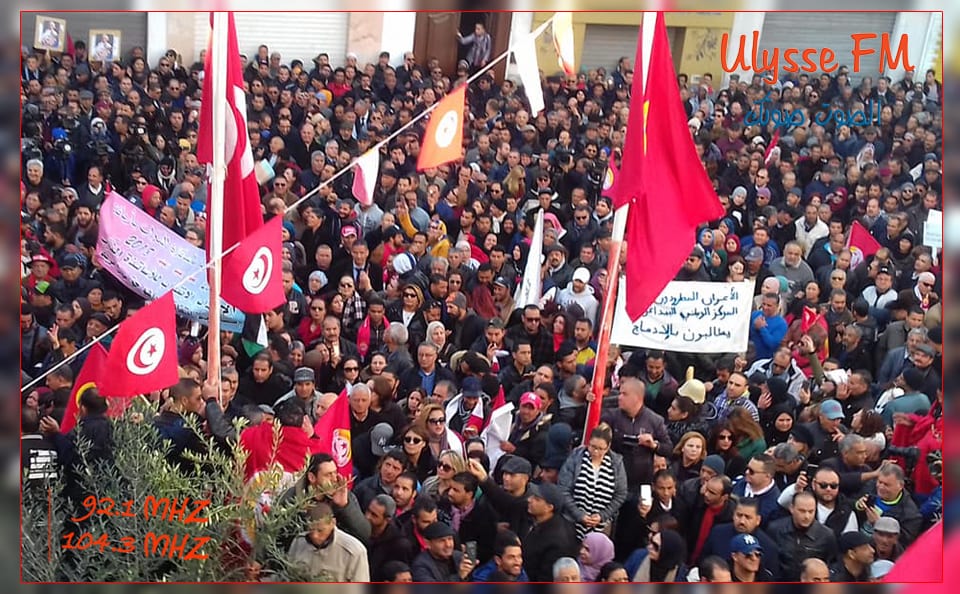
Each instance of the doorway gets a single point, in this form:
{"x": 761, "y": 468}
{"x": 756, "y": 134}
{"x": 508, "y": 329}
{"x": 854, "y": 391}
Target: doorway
{"x": 435, "y": 36}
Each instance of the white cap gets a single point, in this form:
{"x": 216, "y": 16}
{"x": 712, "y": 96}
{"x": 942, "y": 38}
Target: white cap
{"x": 581, "y": 274}
{"x": 695, "y": 122}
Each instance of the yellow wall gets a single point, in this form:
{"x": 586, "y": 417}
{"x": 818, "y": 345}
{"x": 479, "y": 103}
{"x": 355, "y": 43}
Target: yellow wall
{"x": 701, "y": 44}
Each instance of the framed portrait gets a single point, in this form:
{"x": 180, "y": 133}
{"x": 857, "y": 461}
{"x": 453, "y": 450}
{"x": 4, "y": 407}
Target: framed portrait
{"x": 51, "y": 34}
{"x": 104, "y": 45}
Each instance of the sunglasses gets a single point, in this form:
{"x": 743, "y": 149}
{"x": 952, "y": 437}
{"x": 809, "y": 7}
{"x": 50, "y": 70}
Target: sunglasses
{"x": 316, "y": 309}
{"x": 531, "y": 320}
{"x": 724, "y": 437}
{"x": 828, "y": 485}
{"x": 437, "y": 421}
{"x": 411, "y": 295}
{"x": 351, "y": 369}
{"x": 756, "y": 554}
{"x": 412, "y": 440}
{"x": 445, "y": 467}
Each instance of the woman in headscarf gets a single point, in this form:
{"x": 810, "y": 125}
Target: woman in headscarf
{"x": 596, "y": 550}
{"x": 781, "y": 420}
{"x": 717, "y": 264}
{"x": 437, "y": 336}
{"x": 732, "y": 246}
{"x": 660, "y": 561}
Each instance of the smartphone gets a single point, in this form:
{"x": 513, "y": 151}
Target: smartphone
{"x": 646, "y": 495}
{"x": 871, "y": 500}
{"x": 811, "y": 470}
{"x": 471, "y": 551}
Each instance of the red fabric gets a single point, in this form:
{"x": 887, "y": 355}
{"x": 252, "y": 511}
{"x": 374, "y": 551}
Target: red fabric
{"x": 363, "y": 338}
{"x": 861, "y": 241}
{"x": 148, "y": 191}
{"x": 443, "y": 140}
{"x": 705, "y": 526}
{"x": 919, "y": 434}
{"x": 143, "y": 356}
{"x": 87, "y": 378}
{"x": 292, "y": 450}
{"x": 307, "y": 335}
{"x": 241, "y": 195}
{"x": 333, "y": 432}
{"x": 252, "y": 273}
{"x": 669, "y": 192}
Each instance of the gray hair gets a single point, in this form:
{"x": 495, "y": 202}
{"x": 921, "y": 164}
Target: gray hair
{"x": 850, "y": 441}
{"x": 387, "y": 503}
{"x": 921, "y": 332}
{"x": 397, "y": 332}
{"x": 443, "y": 261}
{"x": 891, "y": 469}
{"x": 317, "y": 155}
{"x": 565, "y": 563}
{"x": 786, "y": 453}
{"x": 358, "y": 388}
{"x": 36, "y": 162}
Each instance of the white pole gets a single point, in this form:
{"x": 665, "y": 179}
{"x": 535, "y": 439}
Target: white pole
{"x": 218, "y": 175}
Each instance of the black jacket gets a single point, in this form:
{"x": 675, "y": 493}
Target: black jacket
{"x": 795, "y": 546}
{"x": 427, "y": 569}
{"x": 480, "y": 525}
{"x": 512, "y": 510}
{"x": 531, "y": 443}
{"x": 392, "y": 545}
{"x": 544, "y": 544}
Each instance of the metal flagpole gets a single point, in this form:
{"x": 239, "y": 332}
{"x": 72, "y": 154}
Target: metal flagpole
{"x": 613, "y": 264}
{"x": 219, "y": 171}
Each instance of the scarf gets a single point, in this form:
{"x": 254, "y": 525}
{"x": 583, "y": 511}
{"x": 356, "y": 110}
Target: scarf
{"x": 457, "y": 515}
{"x": 601, "y": 553}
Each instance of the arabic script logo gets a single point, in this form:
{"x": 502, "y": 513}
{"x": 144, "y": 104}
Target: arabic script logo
{"x": 764, "y": 112}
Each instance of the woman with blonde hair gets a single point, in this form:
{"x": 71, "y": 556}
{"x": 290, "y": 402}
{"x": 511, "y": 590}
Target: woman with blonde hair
{"x": 594, "y": 482}
{"x": 688, "y": 456}
{"x": 515, "y": 183}
{"x": 440, "y": 437}
{"x": 449, "y": 463}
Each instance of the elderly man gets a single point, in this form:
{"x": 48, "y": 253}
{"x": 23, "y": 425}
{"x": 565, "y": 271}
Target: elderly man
{"x": 792, "y": 266}
{"x": 891, "y": 500}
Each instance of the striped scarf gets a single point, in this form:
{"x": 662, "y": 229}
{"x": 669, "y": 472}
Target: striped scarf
{"x": 593, "y": 489}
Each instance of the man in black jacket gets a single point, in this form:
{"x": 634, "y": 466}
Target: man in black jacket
{"x": 510, "y": 500}
{"x": 440, "y": 562}
{"x": 801, "y": 536}
{"x": 386, "y": 541}
{"x": 551, "y": 537}
{"x": 472, "y": 520}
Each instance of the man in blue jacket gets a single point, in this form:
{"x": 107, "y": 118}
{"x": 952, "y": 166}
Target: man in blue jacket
{"x": 767, "y": 327}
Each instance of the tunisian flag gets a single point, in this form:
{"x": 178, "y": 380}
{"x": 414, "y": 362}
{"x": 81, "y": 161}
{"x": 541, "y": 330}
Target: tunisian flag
{"x": 88, "y": 377}
{"x": 333, "y": 431}
{"x": 253, "y": 273}
{"x": 241, "y": 207}
{"x": 861, "y": 244}
{"x": 443, "y": 140}
{"x": 143, "y": 356}
{"x": 667, "y": 188}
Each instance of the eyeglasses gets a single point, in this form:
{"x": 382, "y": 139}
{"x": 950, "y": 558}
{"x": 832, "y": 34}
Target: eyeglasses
{"x": 828, "y": 485}
{"x": 754, "y": 471}
{"x": 753, "y": 554}
{"x": 445, "y": 467}
{"x": 352, "y": 368}
{"x": 496, "y": 191}
{"x": 437, "y": 421}
{"x": 316, "y": 309}
{"x": 724, "y": 437}
{"x": 531, "y": 320}
{"x": 837, "y": 278}
{"x": 412, "y": 440}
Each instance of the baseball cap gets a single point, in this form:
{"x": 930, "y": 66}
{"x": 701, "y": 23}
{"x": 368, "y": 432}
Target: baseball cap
{"x": 503, "y": 282}
{"x": 913, "y": 378}
{"x": 517, "y": 465}
{"x": 754, "y": 255}
{"x": 41, "y": 258}
{"x": 879, "y": 569}
{"x": 745, "y": 544}
{"x": 694, "y": 390}
{"x": 304, "y": 374}
{"x": 71, "y": 261}
{"x": 531, "y": 399}
{"x": 887, "y": 525}
{"x": 267, "y": 409}
{"x": 348, "y": 230}
{"x": 581, "y": 274}
{"x": 471, "y": 388}
{"x": 851, "y": 540}
{"x": 885, "y": 270}
{"x": 495, "y": 323}
{"x": 380, "y": 436}
{"x": 831, "y": 409}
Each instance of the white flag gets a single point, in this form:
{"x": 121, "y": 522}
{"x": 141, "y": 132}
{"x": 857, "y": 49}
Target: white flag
{"x": 529, "y": 68}
{"x": 365, "y": 176}
{"x": 528, "y": 291}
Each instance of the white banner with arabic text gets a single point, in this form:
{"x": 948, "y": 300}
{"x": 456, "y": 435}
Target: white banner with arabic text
{"x": 690, "y": 317}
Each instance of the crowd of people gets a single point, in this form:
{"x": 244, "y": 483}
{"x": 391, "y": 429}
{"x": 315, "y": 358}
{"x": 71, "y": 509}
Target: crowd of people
{"x": 813, "y": 456}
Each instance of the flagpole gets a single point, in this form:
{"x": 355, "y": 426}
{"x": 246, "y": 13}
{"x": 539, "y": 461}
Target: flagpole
{"x": 613, "y": 265}
{"x": 218, "y": 177}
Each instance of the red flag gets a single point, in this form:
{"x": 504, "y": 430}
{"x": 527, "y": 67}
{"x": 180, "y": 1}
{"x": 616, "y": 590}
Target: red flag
{"x": 241, "y": 209}
{"x": 768, "y": 155}
{"x": 365, "y": 175}
{"x": 333, "y": 430}
{"x": 253, "y": 279}
{"x": 861, "y": 244}
{"x": 87, "y": 378}
{"x": 610, "y": 187}
{"x": 671, "y": 194}
{"x": 443, "y": 140}
{"x": 923, "y": 561}
{"x": 143, "y": 356}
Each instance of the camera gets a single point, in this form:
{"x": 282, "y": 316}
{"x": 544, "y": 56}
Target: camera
{"x": 139, "y": 130}
{"x": 910, "y": 455}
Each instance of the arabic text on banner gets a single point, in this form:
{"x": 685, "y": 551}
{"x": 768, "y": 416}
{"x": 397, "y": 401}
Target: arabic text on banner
{"x": 933, "y": 229}
{"x": 690, "y": 317}
{"x": 149, "y": 259}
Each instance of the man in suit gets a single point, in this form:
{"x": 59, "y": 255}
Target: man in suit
{"x": 367, "y": 275}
